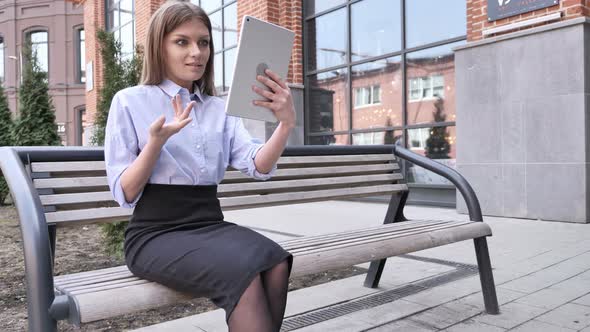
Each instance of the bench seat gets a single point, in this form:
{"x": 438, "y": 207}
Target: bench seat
{"x": 104, "y": 293}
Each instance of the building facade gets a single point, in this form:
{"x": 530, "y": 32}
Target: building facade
{"x": 495, "y": 88}
{"x": 56, "y": 31}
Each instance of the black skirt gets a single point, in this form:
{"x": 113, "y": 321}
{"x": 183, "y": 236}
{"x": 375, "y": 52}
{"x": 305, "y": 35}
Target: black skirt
{"x": 177, "y": 237}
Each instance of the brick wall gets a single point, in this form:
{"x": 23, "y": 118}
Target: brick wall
{"x": 143, "y": 12}
{"x": 290, "y": 16}
{"x": 94, "y": 18}
{"x": 477, "y": 16}
{"x": 286, "y": 13}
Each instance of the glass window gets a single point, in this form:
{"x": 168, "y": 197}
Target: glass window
{"x": 431, "y": 85}
{"x": 436, "y": 143}
{"x": 376, "y": 28}
{"x": 428, "y": 87}
{"x": 230, "y": 25}
{"x": 127, "y": 37}
{"x": 216, "y": 30}
{"x": 367, "y": 96}
{"x": 218, "y": 71}
{"x": 377, "y": 94}
{"x": 327, "y": 45}
{"x": 208, "y": 5}
{"x": 39, "y": 44}
{"x": 126, "y": 11}
{"x": 224, "y": 28}
{"x": 318, "y": 6}
{"x": 329, "y": 110}
{"x": 81, "y": 56}
{"x": 229, "y": 61}
{"x": 1, "y": 59}
{"x": 429, "y": 21}
{"x": 121, "y": 21}
{"x": 83, "y": 128}
{"x": 329, "y": 140}
{"x": 351, "y": 95}
{"x": 376, "y": 137}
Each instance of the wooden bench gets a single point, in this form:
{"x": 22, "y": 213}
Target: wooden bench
{"x": 55, "y": 187}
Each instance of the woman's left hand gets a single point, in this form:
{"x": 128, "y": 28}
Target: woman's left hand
{"x": 280, "y": 100}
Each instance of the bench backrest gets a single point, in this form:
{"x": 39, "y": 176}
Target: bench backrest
{"x": 77, "y": 191}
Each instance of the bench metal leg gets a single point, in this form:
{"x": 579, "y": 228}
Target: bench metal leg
{"x": 374, "y": 274}
{"x": 395, "y": 213}
{"x": 52, "y": 229}
{"x": 485, "y": 275}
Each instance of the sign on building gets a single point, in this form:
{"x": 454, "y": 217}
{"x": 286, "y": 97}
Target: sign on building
{"x": 498, "y": 9}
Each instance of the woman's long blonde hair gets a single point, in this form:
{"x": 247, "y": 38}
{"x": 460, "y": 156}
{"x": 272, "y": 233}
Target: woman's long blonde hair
{"x": 167, "y": 18}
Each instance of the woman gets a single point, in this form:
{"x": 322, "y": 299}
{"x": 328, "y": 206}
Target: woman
{"x": 168, "y": 142}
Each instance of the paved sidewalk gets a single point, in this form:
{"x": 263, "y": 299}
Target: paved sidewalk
{"x": 541, "y": 269}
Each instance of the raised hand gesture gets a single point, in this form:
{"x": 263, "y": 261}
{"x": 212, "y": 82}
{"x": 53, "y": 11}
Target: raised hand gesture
{"x": 161, "y": 132}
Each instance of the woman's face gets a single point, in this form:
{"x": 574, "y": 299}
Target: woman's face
{"x": 186, "y": 52}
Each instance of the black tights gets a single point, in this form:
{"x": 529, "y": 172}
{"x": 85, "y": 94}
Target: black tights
{"x": 262, "y": 305}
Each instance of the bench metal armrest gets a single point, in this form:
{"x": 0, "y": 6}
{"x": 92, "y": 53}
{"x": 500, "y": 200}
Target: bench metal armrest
{"x": 35, "y": 235}
{"x": 452, "y": 175}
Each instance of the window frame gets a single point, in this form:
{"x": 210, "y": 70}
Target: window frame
{"x": 422, "y": 89}
{"x": 403, "y": 54}
{"x": 78, "y": 110}
{"x": 221, "y": 50}
{"x": 371, "y": 96}
{"x": 78, "y": 54}
{"x": 2, "y": 59}
{"x": 27, "y": 38}
{"x": 405, "y": 67}
{"x": 116, "y": 30}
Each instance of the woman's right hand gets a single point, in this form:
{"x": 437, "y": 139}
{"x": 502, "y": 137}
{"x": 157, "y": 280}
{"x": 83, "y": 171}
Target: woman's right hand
{"x": 161, "y": 132}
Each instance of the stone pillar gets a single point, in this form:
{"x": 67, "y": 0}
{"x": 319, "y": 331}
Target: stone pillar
{"x": 523, "y": 121}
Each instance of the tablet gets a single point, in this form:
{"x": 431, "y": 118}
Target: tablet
{"x": 262, "y": 45}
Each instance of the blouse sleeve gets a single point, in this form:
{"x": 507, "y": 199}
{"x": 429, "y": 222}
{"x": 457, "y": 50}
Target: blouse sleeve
{"x": 120, "y": 149}
{"x": 244, "y": 150}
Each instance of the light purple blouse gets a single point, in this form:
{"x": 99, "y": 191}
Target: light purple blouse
{"x": 197, "y": 155}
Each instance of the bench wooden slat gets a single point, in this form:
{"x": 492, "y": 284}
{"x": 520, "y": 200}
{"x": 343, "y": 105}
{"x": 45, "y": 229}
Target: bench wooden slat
{"x": 108, "y": 301}
{"x": 289, "y": 173}
{"x": 119, "y": 301}
{"x": 123, "y": 273}
{"x": 107, "y": 214}
{"x": 230, "y": 203}
{"x": 312, "y": 262}
{"x": 96, "y": 284}
{"x": 59, "y": 199}
{"x": 68, "y": 166}
{"x": 110, "y": 214}
{"x": 330, "y": 237}
{"x": 294, "y": 185}
{"x": 373, "y": 234}
{"x": 379, "y": 237}
{"x": 281, "y": 174}
{"x": 77, "y": 182}
{"x": 306, "y": 160}
{"x": 78, "y": 275}
{"x": 99, "y": 289}
{"x": 228, "y": 189}
{"x": 100, "y": 165}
